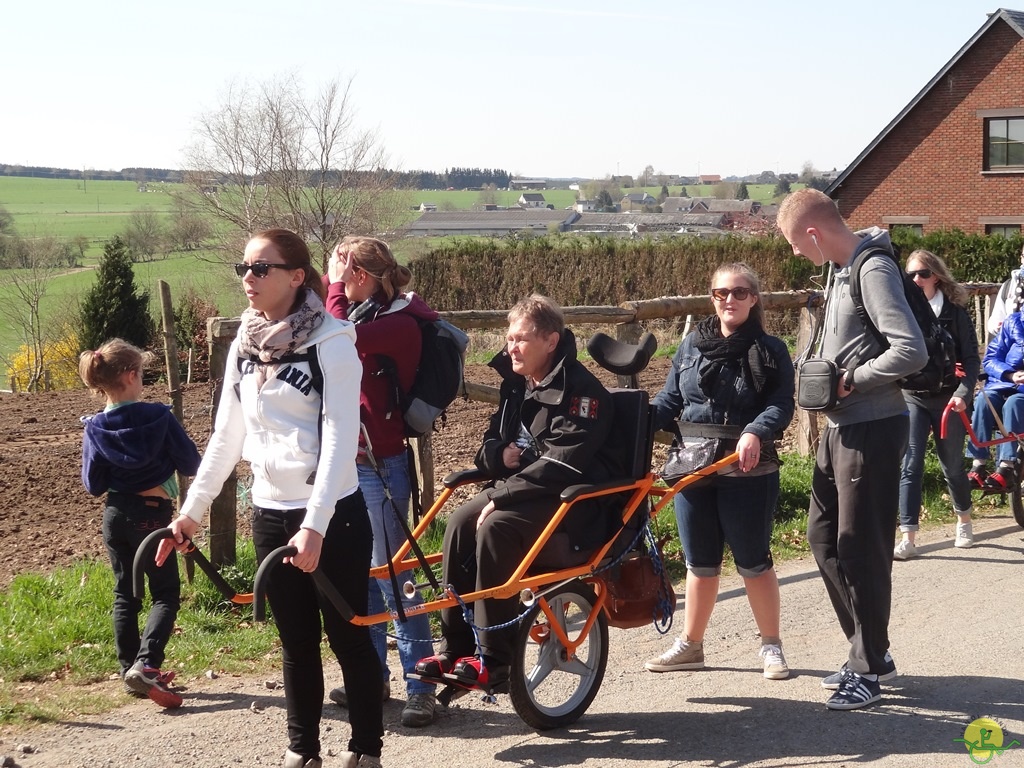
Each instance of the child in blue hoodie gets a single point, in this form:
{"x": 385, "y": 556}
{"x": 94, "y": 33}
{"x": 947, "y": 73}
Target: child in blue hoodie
{"x": 130, "y": 451}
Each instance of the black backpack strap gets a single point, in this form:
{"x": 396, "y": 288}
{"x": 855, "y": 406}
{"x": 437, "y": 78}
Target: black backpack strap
{"x": 857, "y": 296}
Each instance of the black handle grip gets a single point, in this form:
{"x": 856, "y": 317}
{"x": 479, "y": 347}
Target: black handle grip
{"x": 145, "y": 550}
{"x": 274, "y": 559}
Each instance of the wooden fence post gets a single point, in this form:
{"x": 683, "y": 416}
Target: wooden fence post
{"x": 220, "y": 332}
{"x": 173, "y": 388}
{"x": 423, "y": 450}
{"x": 628, "y": 333}
{"x": 806, "y": 421}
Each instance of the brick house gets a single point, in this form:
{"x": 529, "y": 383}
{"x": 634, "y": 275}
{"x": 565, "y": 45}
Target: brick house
{"x": 954, "y": 156}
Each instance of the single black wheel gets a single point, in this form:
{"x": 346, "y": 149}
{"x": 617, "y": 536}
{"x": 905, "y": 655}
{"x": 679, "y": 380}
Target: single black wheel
{"x": 1016, "y": 502}
{"x": 551, "y": 687}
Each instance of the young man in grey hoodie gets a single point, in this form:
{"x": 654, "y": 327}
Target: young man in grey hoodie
{"x": 855, "y": 488}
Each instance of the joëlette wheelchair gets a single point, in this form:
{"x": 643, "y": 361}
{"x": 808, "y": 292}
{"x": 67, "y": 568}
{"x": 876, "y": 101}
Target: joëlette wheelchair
{"x": 561, "y": 647}
{"x": 1015, "y": 489}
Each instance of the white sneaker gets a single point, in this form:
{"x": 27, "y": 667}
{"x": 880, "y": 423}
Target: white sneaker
{"x": 905, "y": 550}
{"x": 775, "y": 667}
{"x": 681, "y": 656}
{"x": 964, "y": 535}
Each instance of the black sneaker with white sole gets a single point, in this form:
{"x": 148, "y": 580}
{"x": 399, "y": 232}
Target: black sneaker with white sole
{"x": 855, "y": 691}
{"x": 831, "y": 683}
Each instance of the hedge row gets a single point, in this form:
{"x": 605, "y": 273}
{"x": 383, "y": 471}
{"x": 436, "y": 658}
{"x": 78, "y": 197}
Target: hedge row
{"x": 486, "y": 273}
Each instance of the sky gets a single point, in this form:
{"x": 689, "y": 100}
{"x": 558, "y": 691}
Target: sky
{"x": 556, "y": 88}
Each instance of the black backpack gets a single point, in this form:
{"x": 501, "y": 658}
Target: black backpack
{"x": 439, "y": 377}
{"x": 939, "y": 373}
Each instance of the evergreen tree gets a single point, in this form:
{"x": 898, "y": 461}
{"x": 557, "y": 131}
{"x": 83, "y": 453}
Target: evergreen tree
{"x": 742, "y": 193}
{"x": 114, "y": 306}
{"x": 782, "y": 188}
{"x": 664, "y": 193}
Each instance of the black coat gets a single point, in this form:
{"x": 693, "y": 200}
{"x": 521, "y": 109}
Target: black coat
{"x": 565, "y": 423}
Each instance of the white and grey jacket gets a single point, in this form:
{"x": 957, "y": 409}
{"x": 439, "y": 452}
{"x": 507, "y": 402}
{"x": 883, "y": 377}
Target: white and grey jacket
{"x": 277, "y": 430}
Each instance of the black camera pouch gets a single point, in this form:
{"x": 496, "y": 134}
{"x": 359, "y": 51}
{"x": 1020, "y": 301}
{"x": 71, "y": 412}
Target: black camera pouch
{"x": 817, "y": 384}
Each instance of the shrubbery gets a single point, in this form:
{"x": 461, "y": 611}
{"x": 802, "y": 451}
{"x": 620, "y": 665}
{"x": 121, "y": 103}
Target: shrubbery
{"x": 59, "y": 363}
{"x": 485, "y": 273}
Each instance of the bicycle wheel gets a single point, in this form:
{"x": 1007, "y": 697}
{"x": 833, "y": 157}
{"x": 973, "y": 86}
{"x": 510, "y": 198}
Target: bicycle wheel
{"x": 1016, "y": 503}
{"x": 550, "y": 688}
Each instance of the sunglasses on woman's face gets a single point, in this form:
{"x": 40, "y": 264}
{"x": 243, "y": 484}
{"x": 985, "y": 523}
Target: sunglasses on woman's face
{"x": 739, "y": 293}
{"x": 924, "y": 274}
{"x": 259, "y": 268}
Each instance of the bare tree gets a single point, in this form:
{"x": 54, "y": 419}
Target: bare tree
{"x": 269, "y": 156}
{"x": 25, "y": 289}
{"x": 144, "y": 234}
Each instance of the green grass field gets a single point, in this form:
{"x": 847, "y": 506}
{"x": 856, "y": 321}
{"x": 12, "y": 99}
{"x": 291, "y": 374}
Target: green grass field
{"x": 201, "y": 273}
{"x": 68, "y": 208}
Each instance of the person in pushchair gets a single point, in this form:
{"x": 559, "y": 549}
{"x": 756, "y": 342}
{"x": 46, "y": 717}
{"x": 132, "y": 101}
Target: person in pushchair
{"x": 551, "y": 430}
{"x": 1000, "y": 405}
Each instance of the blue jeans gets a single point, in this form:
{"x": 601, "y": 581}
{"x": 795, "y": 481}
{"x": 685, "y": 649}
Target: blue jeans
{"x": 127, "y": 520}
{"x": 413, "y": 634}
{"x": 737, "y": 511}
{"x": 925, "y": 418}
{"x": 1010, "y": 406}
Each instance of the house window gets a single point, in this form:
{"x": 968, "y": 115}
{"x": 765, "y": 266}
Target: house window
{"x": 1004, "y": 143}
{"x": 1003, "y": 230}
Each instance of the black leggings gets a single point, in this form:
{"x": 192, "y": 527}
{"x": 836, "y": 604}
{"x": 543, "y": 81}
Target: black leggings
{"x": 298, "y": 606}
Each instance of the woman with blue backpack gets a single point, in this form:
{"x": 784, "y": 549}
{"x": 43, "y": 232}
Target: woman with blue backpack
{"x": 364, "y": 286}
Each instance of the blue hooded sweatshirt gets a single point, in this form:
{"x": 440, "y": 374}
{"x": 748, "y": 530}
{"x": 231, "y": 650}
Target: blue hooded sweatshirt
{"x": 133, "y": 448}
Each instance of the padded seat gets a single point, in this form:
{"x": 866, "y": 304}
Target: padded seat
{"x": 632, "y": 430}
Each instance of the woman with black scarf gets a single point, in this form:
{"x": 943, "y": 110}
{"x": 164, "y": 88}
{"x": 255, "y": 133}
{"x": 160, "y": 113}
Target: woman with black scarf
{"x": 730, "y": 373}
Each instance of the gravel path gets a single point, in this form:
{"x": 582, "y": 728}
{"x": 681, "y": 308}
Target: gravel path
{"x": 956, "y": 638}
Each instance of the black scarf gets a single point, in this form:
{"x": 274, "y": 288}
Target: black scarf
{"x": 743, "y": 345}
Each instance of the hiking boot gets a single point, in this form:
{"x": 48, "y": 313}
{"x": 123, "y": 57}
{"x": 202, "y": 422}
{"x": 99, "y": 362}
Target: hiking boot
{"x": 964, "y": 535}
{"x": 833, "y": 681}
{"x": 340, "y": 697}
{"x": 775, "y": 667}
{"x": 151, "y": 682}
{"x": 905, "y": 550}
{"x": 1002, "y": 479}
{"x": 295, "y": 760}
{"x": 855, "y": 691}
{"x": 432, "y": 669}
{"x": 352, "y": 760}
{"x": 682, "y": 655}
{"x": 419, "y": 710}
{"x": 474, "y": 672}
{"x": 978, "y": 475}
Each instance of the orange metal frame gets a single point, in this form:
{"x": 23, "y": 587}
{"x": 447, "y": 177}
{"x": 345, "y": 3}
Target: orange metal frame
{"x": 521, "y": 579}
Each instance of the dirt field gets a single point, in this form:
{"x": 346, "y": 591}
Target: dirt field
{"x": 51, "y": 520}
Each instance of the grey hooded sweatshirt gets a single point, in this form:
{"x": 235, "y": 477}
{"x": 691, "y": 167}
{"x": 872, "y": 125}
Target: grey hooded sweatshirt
{"x": 876, "y": 394}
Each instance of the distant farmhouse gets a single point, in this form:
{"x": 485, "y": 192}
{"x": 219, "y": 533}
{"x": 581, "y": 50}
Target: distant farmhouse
{"x": 637, "y": 200}
{"x": 954, "y": 156}
{"x": 490, "y": 223}
{"x": 532, "y": 200}
{"x": 527, "y": 184}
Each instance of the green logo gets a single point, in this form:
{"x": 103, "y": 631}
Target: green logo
{"x": 984, "y": 740}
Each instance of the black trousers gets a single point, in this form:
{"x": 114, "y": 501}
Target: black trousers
{"x": 127, "y": 520}
{"x": 851, "y": 526}
{"x": 478, "y": 559}
{"x": 298, "y": 607}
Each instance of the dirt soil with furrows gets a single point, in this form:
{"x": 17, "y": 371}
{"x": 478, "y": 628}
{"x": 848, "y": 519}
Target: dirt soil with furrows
{"x": 50, "y": 520}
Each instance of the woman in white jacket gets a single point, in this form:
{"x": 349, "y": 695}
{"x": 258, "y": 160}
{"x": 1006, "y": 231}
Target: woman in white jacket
{"x": 302, "y": 449}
